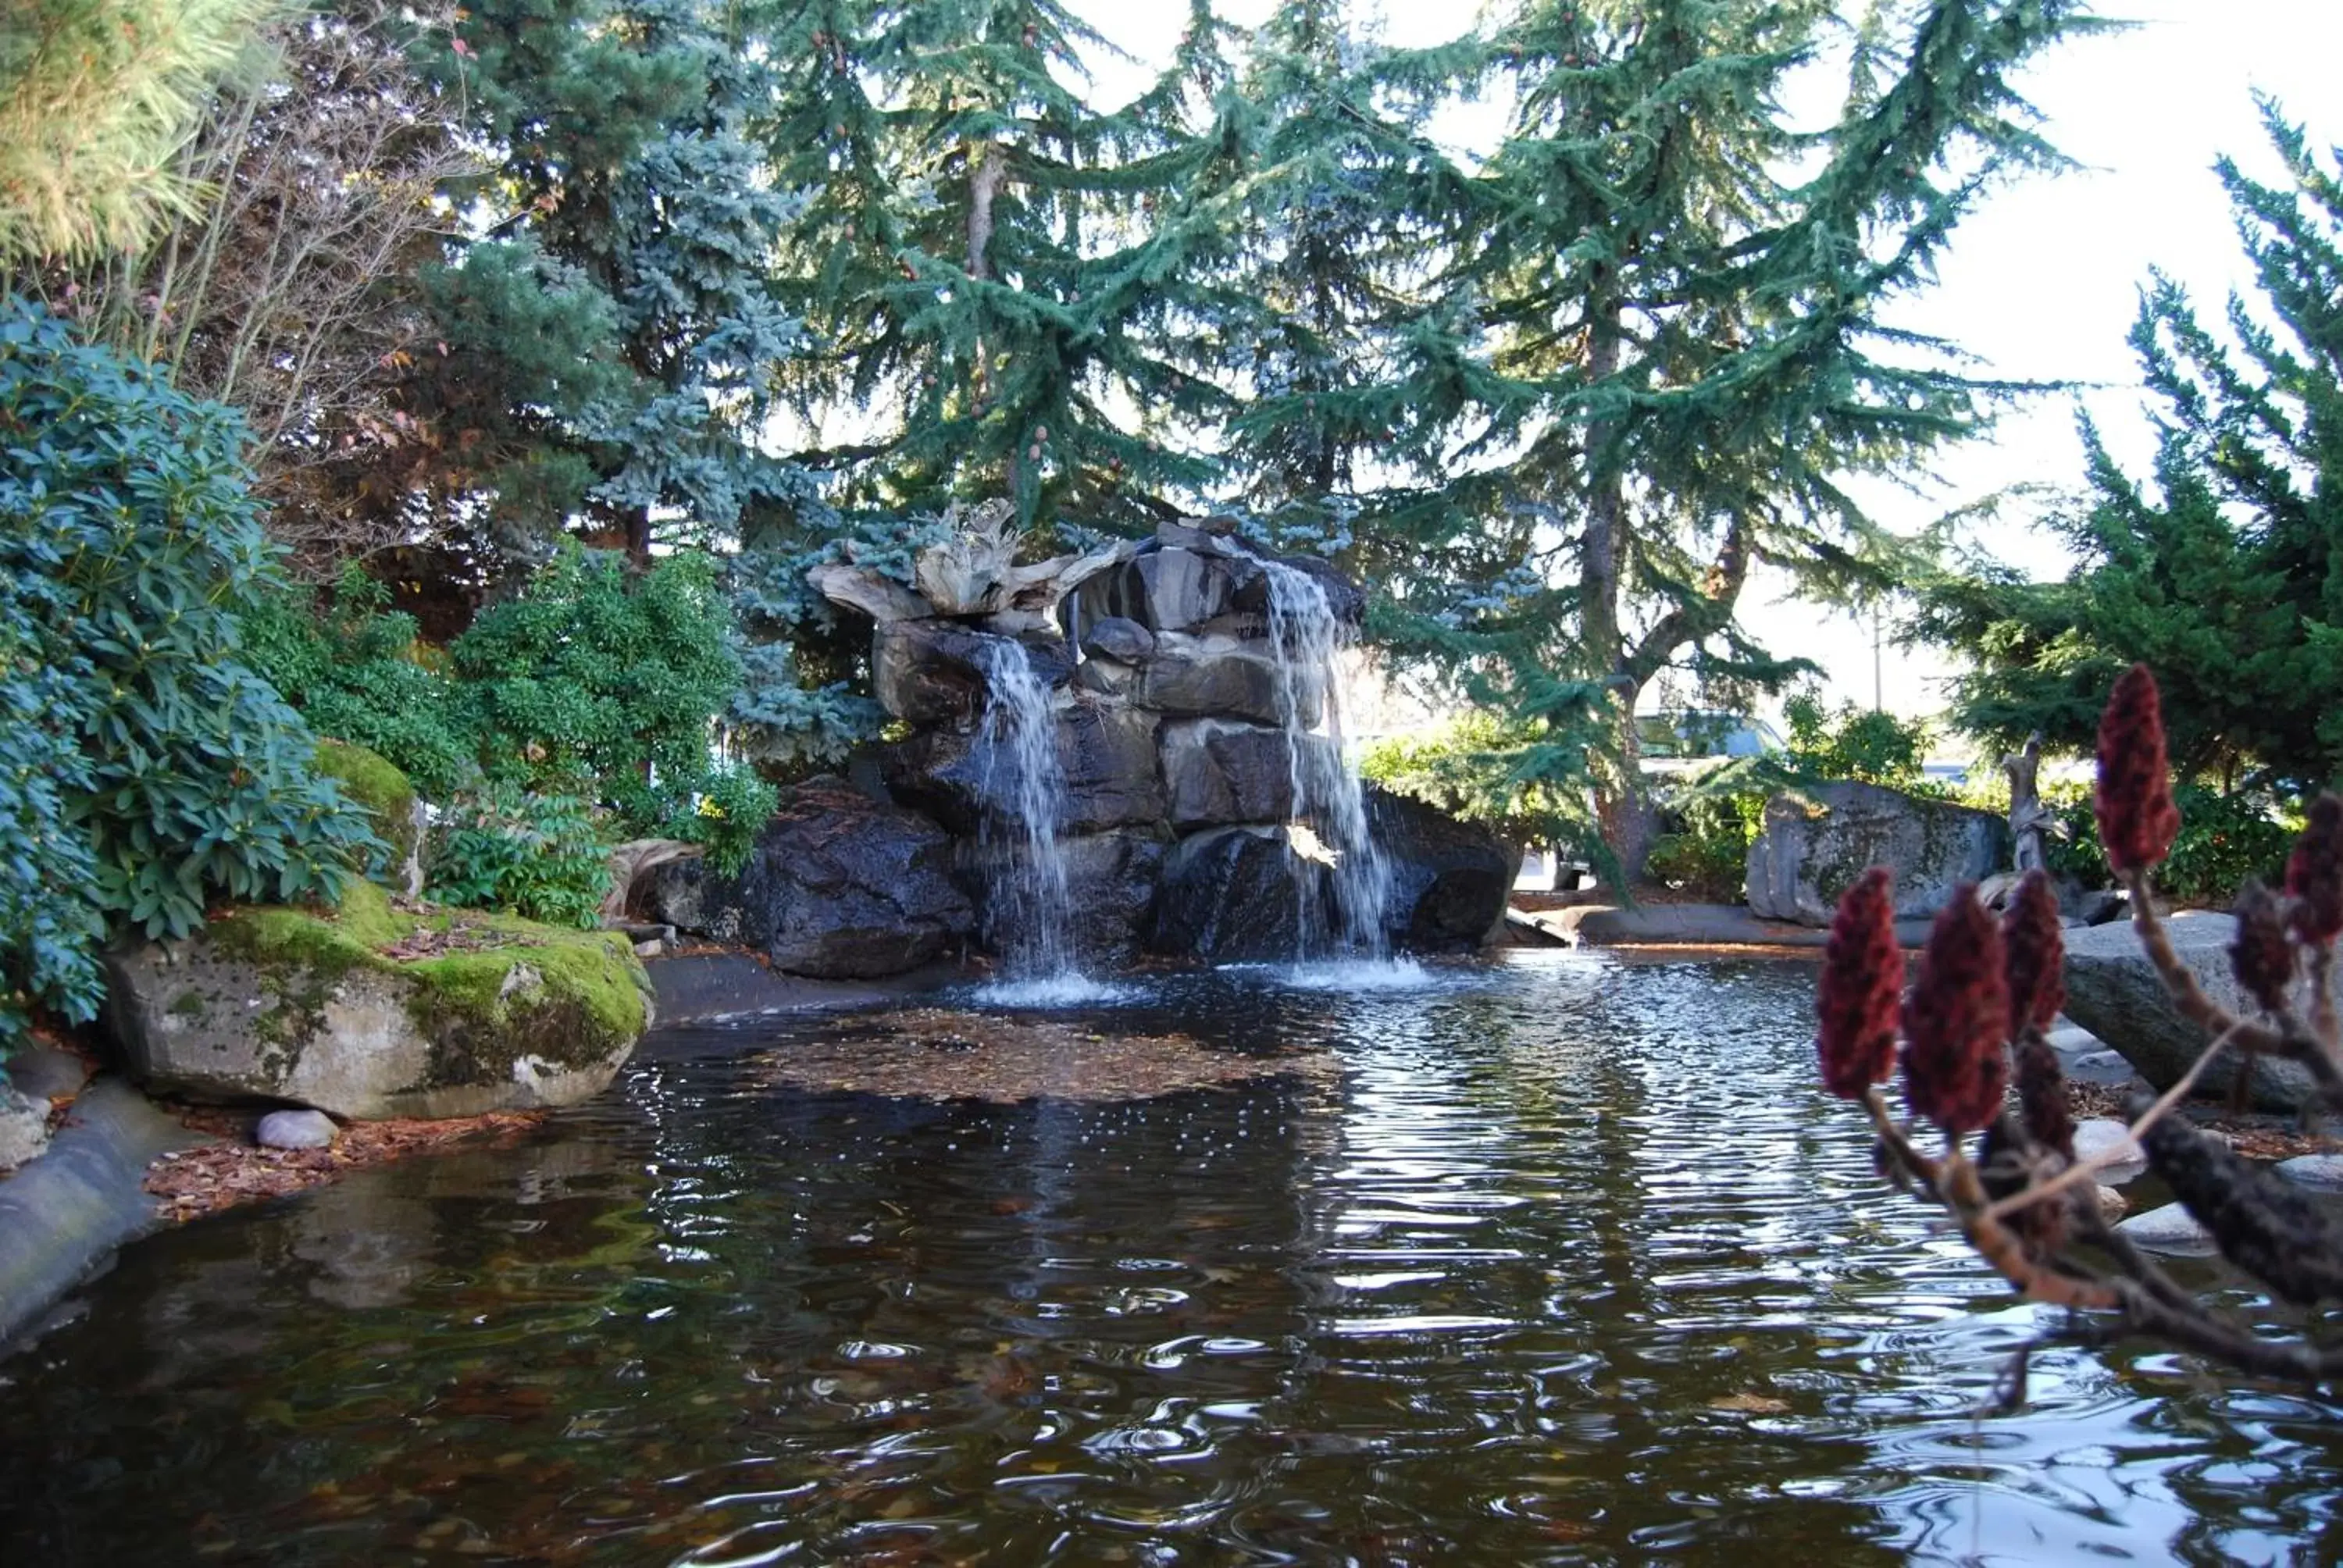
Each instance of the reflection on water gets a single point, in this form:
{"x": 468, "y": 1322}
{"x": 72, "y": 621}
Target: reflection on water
{"x": 1574, "y": 1265}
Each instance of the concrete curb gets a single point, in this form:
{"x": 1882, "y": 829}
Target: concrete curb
{"x": 1689, "y": 925}
{"x": 63, "y": 1215}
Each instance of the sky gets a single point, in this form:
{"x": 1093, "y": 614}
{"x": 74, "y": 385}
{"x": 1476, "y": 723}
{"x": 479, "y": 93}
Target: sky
{"x": 2042, "y": 283}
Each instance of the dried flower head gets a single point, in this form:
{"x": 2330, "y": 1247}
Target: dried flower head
{"x": 1863, "y": 975}
{"x": 2138, "y": 820}
{"x": 2042, "y": 1095}
{"x": 1957, "y": 1020}
{"x": 2034, "y": 950}
{"x": 2262, "y": 954}
{"x": 2314, "y": 874}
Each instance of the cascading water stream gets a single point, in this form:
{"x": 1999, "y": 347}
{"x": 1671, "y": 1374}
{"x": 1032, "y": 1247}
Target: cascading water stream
{"x": 1032, "y": 912}
{"x": 1328, "y": 799}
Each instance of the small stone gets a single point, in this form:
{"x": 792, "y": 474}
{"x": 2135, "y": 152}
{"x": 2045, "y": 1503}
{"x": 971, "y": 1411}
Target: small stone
{"x": 295, "y": 1129}
{"x": 23, "y": 1128}
{"x": 2072, "y": 1040}
{"x": 2104, "y": 1138}
{"x": 2171, "y": 1230}
{"x": 2319, "y": 1173}
{"x": 2113, "y": 1205}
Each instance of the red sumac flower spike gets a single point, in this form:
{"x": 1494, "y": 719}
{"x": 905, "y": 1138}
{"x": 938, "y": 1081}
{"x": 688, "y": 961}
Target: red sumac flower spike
{"x": 2138, "y": 820}
{"x": 2034, "y": 948}
{"x": 1957, "y": 1020}
{"x": 2261, "y": 954}
{"x": 2314, "y": 874}
{"x": 2042, "y": 1095}
{"x": 1863, "y": 976}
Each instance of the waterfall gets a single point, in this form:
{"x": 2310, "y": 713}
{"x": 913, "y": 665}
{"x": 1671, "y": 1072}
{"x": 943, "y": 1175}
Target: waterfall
{"x": 1328, "y": 800}
{"x": 1020, "y": 773}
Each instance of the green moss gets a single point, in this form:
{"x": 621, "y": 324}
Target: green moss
{"x": 384, "y": 792}
{"x": 589, "y": 995}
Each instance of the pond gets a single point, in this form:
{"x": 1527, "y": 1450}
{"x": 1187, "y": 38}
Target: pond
{"x": 1559, "y": 1259}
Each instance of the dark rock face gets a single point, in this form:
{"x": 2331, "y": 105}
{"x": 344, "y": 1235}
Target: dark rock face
{"x": 1219, "y": 771}
{"x": 1815, "y": 843}
{"x": 1228, "y": 685}
{"x": 1108, "y": 753}
{"x": 1118, "y": 638}
{"x": 1449, "y": 880}
{"x": 932, "y": 671}
{"x": 1111, "y": 884}
{"x": 839, "y": 887}
{"x": 1235, "y": 893}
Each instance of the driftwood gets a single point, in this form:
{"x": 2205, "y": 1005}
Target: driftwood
{"x": 630, "y": 859}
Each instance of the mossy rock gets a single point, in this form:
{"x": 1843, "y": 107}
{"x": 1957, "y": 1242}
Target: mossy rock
{"x": 366, "y": 1012}
{"x": 386, "y": 796}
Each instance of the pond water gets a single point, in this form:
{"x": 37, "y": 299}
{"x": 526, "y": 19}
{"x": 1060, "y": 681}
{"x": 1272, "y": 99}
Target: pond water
{"x": 1569, "y": 1262}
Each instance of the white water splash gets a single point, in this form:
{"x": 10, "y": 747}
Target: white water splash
{"x": 1020, "y": 771}
{"x": 1305, "y": 637}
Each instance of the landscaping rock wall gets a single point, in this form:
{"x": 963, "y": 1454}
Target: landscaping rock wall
{"x": 1169, "y": 704}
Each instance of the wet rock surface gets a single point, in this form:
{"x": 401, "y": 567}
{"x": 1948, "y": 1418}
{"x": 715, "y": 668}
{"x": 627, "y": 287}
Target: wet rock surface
{"x": 1450, "y": 880}
{"x": 1234, "y": 894}
{"x": 839, "y": 885}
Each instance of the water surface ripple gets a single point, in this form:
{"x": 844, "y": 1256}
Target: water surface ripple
{"x": 1574, "y": 1265}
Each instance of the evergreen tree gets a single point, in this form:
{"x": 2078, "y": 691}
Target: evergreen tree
{"x": 2225, "y": 576}
{"x": 990, "y": 264}
{"x": 611, "y": 344}
{"x": 1657, "y": 347}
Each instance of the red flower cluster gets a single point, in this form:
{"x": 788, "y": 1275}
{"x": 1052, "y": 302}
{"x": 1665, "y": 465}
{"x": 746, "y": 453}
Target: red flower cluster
{"x": 1957, "y": 1020}
{"x": 2035, "y": 948}
{"x": 1862, "y": 974}
{"x": 2261, "y": 954}
{"x": 2314, "y": 874}
{"x": 2138, "y": 820}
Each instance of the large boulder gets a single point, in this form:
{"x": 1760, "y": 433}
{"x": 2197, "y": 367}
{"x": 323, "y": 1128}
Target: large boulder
{"x": 1110, "y": 882}
{"x": 1816, "y": 841}
{"x": 1236, "y": 894}
{"x": 1205, "y": 681}
{"x": 933, "y": 671}
{"x": 838, "y": 887}
{"x": 1171, "y": 587}
{"x": 1449, "y": 880}
{"x": 1224, "y": 770}
{"x": 368, "y": 1013}
{"x": 1107, "y": 753}
{"x": 2116, "y": 993}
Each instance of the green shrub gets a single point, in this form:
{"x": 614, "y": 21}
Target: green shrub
{"x": 1709, "y": 854}
{"x": 146, "y": 770}
{"x": 357, "y": 672}
{"x": 1858, "y": 743}
{"x": 1497, "y": 772}
{"x": 536, "y": 856}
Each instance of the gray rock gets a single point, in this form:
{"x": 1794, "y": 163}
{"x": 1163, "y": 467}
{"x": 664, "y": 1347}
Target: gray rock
{"x": 295, "y": 1129}
{"x": 2100, "y": 905}
{"x": 62, "y": 1215}
{"x": 1815, "y": 842}
{"x": 1449, "y": 880}
{"x": 1111, "y": 884}
{"x": 1235, "y": 894}
{"x": 2319, "y": 1173}
{"x": 1218, "y": 771}
{"x": 1119, "y": 638}
{"x": 1107, "y": 750}
{"x": 2105, "y": 1137}
{"x": 1223, "y": 685}
{"x": 932, "y": 671}
{"x": 2116, "y": 993}
{"x": 838, "y": 887}
{"x": 2113, "y": 1205}
{"x": 2072, "y": 1040}
{"x": 2171, "y": 1230}
{"x": 40, "y": 1073}
{"x": 366, "y": 1038}
{"x": 23, "y": 1128}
